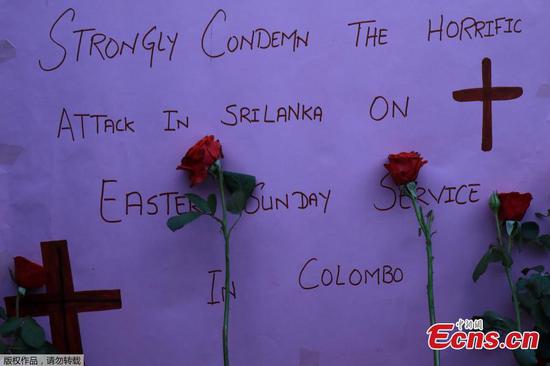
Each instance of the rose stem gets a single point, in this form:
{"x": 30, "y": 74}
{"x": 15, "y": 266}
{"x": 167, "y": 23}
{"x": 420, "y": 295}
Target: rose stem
{"x": 226, "y": 234}
{"x": 411, "y": 190}
{"x": 508, "y": 250}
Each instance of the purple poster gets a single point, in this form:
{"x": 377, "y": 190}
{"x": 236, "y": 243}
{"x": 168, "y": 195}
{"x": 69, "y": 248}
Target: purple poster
{"x": 99, "y": 101}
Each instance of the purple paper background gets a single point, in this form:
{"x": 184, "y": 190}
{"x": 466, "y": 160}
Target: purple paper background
{"x": 51, "y": 190}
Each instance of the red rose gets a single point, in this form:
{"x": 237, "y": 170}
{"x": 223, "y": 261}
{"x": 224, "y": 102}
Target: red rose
{"x": 29, "y": 274}
{"x": 513, "y": 205}
{"x": 404, "y": 167}
{"x": 200, "y": 157}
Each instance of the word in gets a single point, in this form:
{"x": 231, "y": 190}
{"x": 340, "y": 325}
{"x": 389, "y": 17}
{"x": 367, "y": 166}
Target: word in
{"x": 105, "y": 47}
{"x": 487, "y": 94}
{"x": 178, "y": 123}
{"x": 213, "y": 298}
{"x": 461, "y": 195}
{"x": 259, "y": 39}
{"x": 327, "y": 277}
{"x": 300, "y": 112}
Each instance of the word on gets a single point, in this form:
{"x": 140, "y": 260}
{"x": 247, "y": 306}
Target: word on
{"x": 311, "y": 277}
{"x": 267, "y": 114}
{"x": 96, "y": 44}
{"x": 460, "y": 195}
{"x": 380, "y": 108}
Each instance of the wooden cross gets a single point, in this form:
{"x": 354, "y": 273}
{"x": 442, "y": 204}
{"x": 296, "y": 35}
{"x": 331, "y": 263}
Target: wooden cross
{"x": 487, "y": 94}
{"x": 60, "y": 302}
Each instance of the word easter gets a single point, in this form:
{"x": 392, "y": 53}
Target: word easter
{"x": 355, "y": 277}
{"x": 259, "y": 38}
{"x": 213, "y": 299}
{"x": 298, "y": 199}
{"x": 300, "y": 112}
{"x": 461, "y": 195}
{"x": 100, "y": 124}
{"x": 175, "y": 203}
{"x": 372, "y": 35}
{"x": 471, "y": 28}
{"x": 104, "y": 47}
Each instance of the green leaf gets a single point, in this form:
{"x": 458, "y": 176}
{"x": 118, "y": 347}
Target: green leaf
{"x": 240, "y": 188}
{"x": 494, "y": 254}
{"x": 199, "y": 202}
{"x": 3, "y": 348}
{"x": 545, "y": 303}
{"x": 212, "y": 203}
{"x": 538, "y": 269}
{"x": 177, "y": 222}
{"x": 10, "y": 326}
{"x": 32, "y": 333}
{"x": 530, "y": 230}
{"x": 525, "y": 357}
{"x": 3, "y": 314}
{"x": 544, "y": 240}
{"x": 495, "y": 321}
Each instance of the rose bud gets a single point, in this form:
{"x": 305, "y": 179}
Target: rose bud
{"x": 200, "y": 157}
{"x": 513, "y": 205}
{"x": 29, "y": 274}
{"x": 404, "y": 167}
{"x": 494, "y": 202}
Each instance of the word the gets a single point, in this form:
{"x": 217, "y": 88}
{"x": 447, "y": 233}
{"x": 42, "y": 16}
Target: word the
{"x": 372, "y": 35}
{"x": 471, "y": 28}
{"x": 213, "y": 299}
{"x": 333, "y": 277}
{"x": 300, "y": 200}
{"x": 258, "y": 39}
{"x": 299, "y": 112}
{"x": 94, "y": 123}
{"x": 439, "y": 338}
{"x": 461, "y": 195}
{"x": 104, "y": 47}
{"x": 380, "y": 108}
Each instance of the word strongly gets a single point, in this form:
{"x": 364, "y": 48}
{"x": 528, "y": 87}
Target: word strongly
{"x": 370, "y": 35}
{"x": 460, "y": 195}
{"x": 259, "y": 202}
{"x": 333, "y": 277}
{"x": 471, "y": 28}
{"x": 257, "y": 39}
{"x": 99, "y": 45}
{"x": 92, "y": 123}
{"x": 213, "y": 298}
{"x": 267, "y": 114}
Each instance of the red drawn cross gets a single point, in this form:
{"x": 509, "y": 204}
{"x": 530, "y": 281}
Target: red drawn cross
{"x": 487, "y": 94}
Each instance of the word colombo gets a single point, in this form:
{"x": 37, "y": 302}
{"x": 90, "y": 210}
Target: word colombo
{"x": 327, "y": 277}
